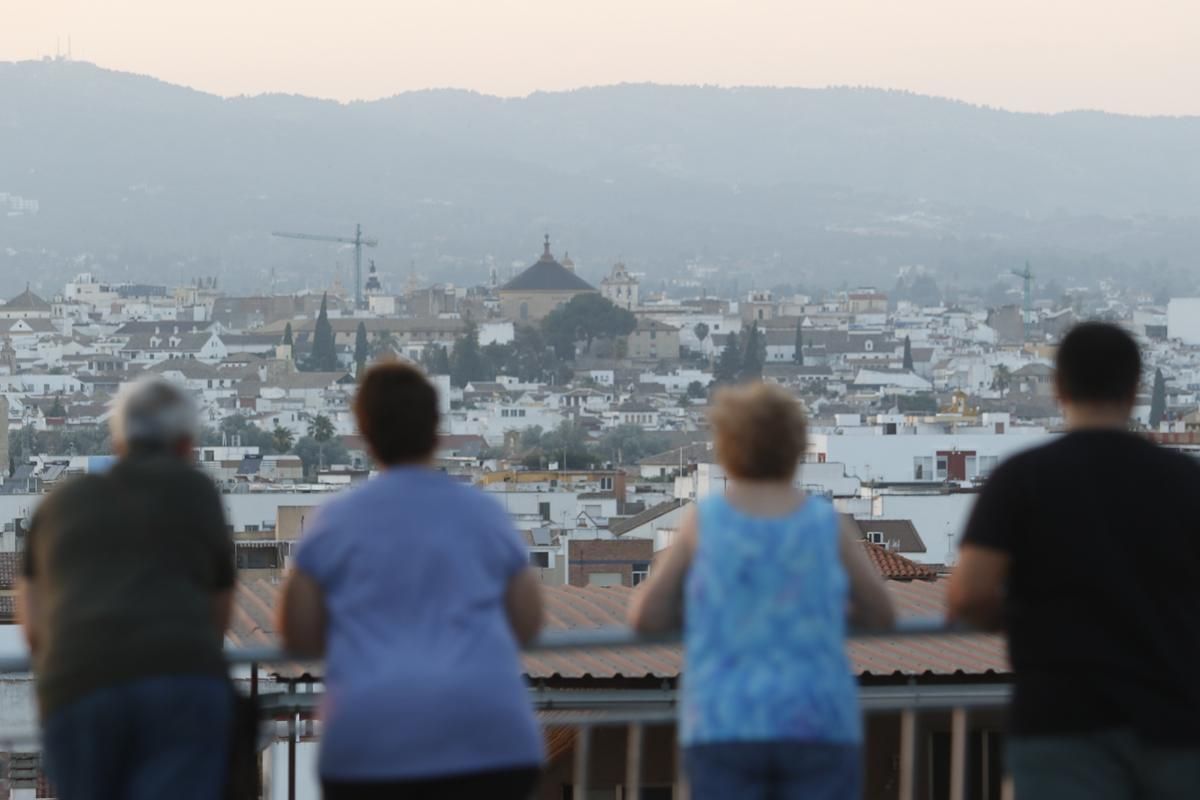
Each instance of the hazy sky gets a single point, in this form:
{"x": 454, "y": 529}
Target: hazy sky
{"x": 1138, "y": 56}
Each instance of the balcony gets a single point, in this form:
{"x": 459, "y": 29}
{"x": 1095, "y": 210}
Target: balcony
{"x": 933, "y": 698}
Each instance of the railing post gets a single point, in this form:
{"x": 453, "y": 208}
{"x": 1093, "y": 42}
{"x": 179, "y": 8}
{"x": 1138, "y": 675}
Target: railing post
{"x": 633, "y": 763}
{"x": 958, "y": 754}
{"x": 908, "y": 754}
{"x": 583, "y": 747}
{"x": 291, "y": 776}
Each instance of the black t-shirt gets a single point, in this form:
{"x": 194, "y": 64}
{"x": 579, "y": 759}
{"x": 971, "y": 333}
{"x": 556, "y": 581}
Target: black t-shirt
{"x": 125, "y": 566}
{"x": 1103, "y": 602}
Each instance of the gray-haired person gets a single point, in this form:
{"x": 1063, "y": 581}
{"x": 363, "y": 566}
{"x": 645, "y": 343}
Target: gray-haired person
{"x": 126, "y": 594}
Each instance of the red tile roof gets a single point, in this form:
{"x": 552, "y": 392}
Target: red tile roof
{"x": 588, "y": 608}
{"x": 896, "y": 567}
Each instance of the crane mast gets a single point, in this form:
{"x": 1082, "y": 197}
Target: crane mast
{"x": 359, "y": 242}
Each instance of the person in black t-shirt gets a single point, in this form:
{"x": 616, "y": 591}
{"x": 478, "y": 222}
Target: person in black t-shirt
{"x": 1086, "y": 552}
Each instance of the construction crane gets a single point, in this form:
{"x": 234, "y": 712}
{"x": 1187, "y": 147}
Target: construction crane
{"x": 359, "y": 243}
{"x": 1027, "y": 314}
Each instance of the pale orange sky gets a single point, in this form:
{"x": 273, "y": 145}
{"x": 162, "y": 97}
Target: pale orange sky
{"x": 1139, "y": 56}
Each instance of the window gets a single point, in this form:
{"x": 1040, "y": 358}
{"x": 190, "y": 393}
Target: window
{"x": 544, "y": 511}
{"x": 972, "y": 466}
{"x": 986, "y": 465}
{"x": 653, "y": 333}
{"x": 942, "y": 465}
{"x": 923, "y": 468}
{"x": 641, "y": 571}
{"x": 604, "y": 579}
{"x": 541, "y": 560}
{"x": 251, "y": 529}
{"x": 875, "y": 537}
{"x": 592, "y": 510}
{"x": 606, "y": 484}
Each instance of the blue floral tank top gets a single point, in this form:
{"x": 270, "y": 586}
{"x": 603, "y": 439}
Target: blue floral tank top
{"x": 765, "y": 629}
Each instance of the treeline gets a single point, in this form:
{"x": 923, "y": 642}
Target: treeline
{"x": 541, "y": 354}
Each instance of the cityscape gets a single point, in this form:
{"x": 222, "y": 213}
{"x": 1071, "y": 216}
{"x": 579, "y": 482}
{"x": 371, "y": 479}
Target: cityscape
{"x": 750, "y": 402}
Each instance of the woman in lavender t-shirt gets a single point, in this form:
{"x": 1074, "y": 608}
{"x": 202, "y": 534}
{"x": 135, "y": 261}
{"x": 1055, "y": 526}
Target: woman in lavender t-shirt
{"x": 417, "y": 591}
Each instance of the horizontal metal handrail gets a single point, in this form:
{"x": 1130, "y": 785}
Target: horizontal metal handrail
{"x": 573, "y": 639}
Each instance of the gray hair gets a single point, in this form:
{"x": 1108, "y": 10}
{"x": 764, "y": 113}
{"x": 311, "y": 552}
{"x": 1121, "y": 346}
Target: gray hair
{"x": 152, "y": 413}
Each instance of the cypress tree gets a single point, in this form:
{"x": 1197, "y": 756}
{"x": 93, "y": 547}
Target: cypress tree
{"x": 361, "y": 350}
{"x": 908, "y": 362}
{"x": 753, "y": 355}
{"x": 728, "y": 363}
{"x": 798, "y": 356}
{"x": 287, "y": 335}
{"x": 1158, "y": 399}
{"x": 324, "y": 349}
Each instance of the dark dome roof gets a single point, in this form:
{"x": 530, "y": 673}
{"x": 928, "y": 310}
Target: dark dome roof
{"x": 547, "y": 275}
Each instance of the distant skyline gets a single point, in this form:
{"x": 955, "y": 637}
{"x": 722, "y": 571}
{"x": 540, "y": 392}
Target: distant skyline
{"x": 1023, "y": 55}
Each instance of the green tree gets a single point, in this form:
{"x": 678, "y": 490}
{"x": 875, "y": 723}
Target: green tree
{"x": 627, "y": 444}
{"x": 361, "y": 349}
{"x": 1158, "y": 399}
{"x": 314, "y": 455}
{"x": 753, "y": 355}
{"x": 531, "y": 437}
{"x": 696, "y": 390}
{"x": 320, "y": 428}
{"x": 908, "y": 360}
{"x": 701, "y": 331}
{"x": 466, "y": 359}
{"x": 585, "y": 318}
{"x": 282, "y": 438}
{"x": 236, "y": 428}
{"x": 56, "y": 408}
{"x": 729, "y": 362}
{"x": 568, "y": 445}
{"x": 1001, "y": 379}
{"x": 798, "y": 355}
{"x": 287, "y": 334}
{"x": 320, "y": 431}
{"x": 385, "y": 345}
{"x": 323, "y": 357}
{"x": 435, "y": 359}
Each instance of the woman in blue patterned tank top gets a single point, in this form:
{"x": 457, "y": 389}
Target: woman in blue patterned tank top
{"x": 763, "y": 580}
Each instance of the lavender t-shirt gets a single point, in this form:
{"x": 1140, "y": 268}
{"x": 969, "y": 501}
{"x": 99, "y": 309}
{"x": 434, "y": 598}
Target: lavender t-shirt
{"x": 422, "y": 673}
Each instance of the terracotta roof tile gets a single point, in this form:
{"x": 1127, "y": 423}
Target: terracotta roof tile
{"x": 588, "y": 608}
{"x": 896, "y": 567}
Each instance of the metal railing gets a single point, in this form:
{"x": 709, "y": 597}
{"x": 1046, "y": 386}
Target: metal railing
{"x": 587, "y": 712}
{"x": 635, "y": 710}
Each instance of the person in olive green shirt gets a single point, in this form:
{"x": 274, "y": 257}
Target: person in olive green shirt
{"x": 125, "y": 598}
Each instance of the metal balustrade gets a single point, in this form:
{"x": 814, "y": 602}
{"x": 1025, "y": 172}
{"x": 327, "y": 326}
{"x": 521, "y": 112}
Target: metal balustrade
{"x": 588, "y": 712}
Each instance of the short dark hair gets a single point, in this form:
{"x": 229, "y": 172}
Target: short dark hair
{"x": 1098, "y": 363}
{"x": 397, "y": 411}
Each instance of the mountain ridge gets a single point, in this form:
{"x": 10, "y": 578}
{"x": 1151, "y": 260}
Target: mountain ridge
{"x": 865, "y": 179}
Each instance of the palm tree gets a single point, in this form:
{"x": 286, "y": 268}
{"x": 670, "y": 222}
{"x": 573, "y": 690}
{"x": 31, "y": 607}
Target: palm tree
{"x": 1001, "y": 379}
{"x": 282, "y": 438}
{"x": 321, "y": 430}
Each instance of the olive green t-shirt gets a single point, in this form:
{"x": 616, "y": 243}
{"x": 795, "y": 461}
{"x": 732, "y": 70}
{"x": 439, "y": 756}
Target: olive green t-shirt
{"x": 124, "y": 568}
